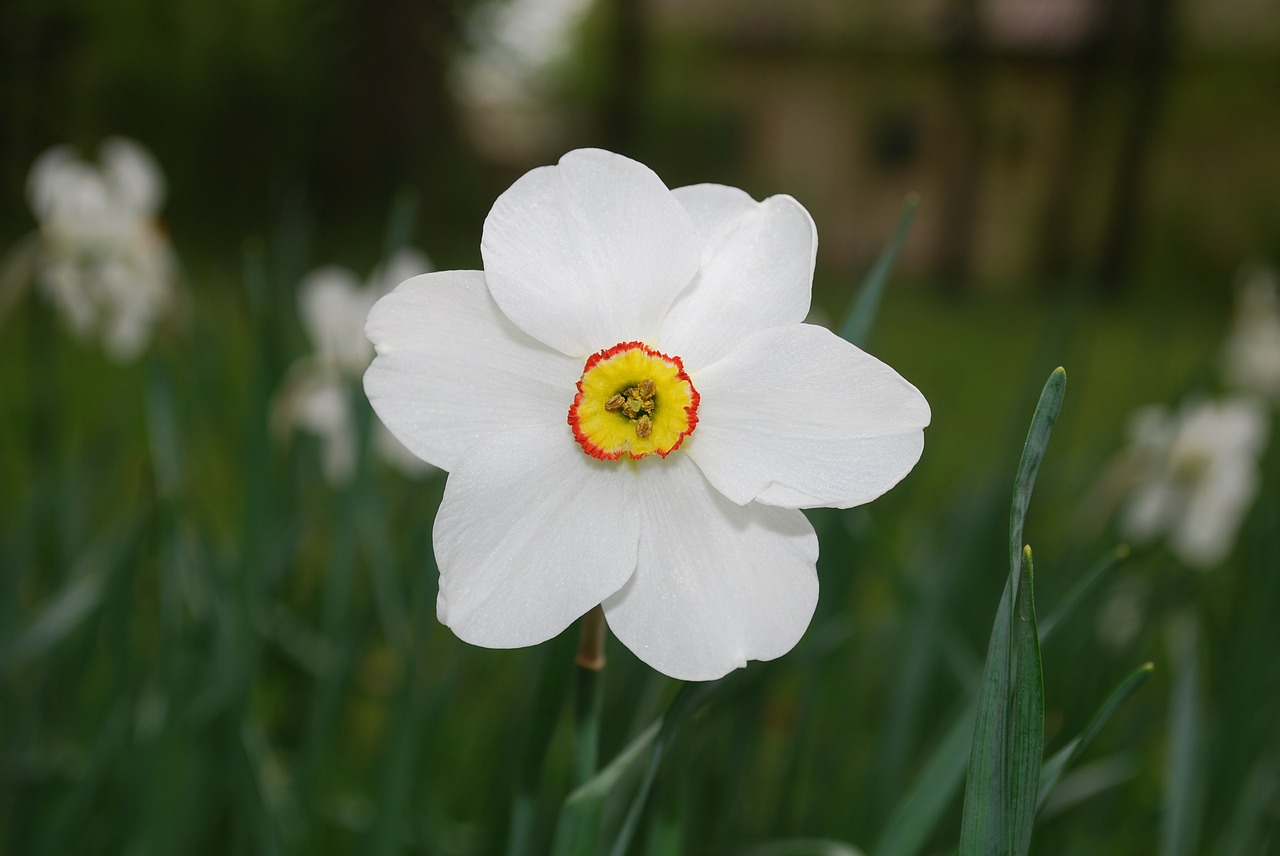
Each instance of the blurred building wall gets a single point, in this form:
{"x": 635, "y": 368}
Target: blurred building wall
{"x": 1074, "y": 130}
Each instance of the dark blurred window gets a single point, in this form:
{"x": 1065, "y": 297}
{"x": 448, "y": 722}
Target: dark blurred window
{"x": 895, "y": 138}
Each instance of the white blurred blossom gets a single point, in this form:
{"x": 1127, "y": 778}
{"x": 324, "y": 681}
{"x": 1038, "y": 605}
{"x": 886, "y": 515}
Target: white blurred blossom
{"x": 102, "y": 257}
{"x": 321, "y": 390}
{"x": 1196, "y": 475}
{"x": 503, "y": 80}
{"x": 1251, "y": 356}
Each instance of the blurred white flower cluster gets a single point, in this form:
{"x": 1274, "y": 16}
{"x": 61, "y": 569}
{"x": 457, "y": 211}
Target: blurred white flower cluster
{"x": 1196, "y": 474}
{"x": 1251, "y": 357}
{"x": 1195, "y": 469}
{"x": 321, "y": 390}
{"x": 102, "y": 257}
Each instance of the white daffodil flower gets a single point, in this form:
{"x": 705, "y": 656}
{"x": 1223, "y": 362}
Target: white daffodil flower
{"x": 318, "y": 395}
{"x": 632, "y": 413}
{"x": 103, "y": 259}
{"x": 1196, "y": 475}
{"x": 1251, "y": 356}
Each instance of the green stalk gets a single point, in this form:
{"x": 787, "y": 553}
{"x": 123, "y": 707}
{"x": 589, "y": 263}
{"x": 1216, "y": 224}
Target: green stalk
{"x": 589, "y": 690}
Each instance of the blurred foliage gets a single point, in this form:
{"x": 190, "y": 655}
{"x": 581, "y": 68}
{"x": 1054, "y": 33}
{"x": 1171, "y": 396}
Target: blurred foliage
{"x": 251, "y": 105}
{"x": 227, "y": 655}
{"x": 248, "y": 661}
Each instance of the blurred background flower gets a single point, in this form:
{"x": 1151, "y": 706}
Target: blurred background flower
{"x": 1251, "y": 355}
{"x": 102, "y": 258}
{"x": 1197, "y": 475}
{"x": 321, "y": 392}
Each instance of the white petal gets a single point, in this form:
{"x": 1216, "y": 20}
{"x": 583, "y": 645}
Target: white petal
{"x": 797, "y": 416}
{"x": 1152, "y": 505}
{"x": 395, "y": 454}
{"x": 125, "y": 334}
{"x": 45, "y": 181}
{"x": 324, "y": 409}
{"x": 450, "y": 368}
{"x": 756, "y": 272}
{"x": 531, "y": 534}
{"x": 717, "y": 584}
{"x": 1214, "y": 512}
{"x": 135, "y": 179}
{"x": 713, "y": 206}
{"x": 588, "y": 253}
{"x": 334, "y": 307}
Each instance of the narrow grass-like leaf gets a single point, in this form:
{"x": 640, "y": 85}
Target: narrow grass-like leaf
{"x": 929, "y": 598}
{"x": 1088, "y": 780}
{"x": 548, "y": 703}
{"x": 404, "y": 213}
{"x": 805, "y": 847}
{"x": 984, "y": 825}
{"x": 1082, "y": 587}
{"x": 74, "y": 603}
{"x": 578, "y": 830}
{"x": 278, "y": 817}
{"x": 588, "y": 698}
{"x": 918, "y": 813}
{"x": 1026, "y": 737}
{"x": 997, "y": 813}
{"x": 401, "y": 758}
{"x": 1183, "y": 786}
{"x": 1065, "y": 757}
{"x": 1029, "y": 466}
{"x": 67, "y": 611}
{"x": 857, "y": 323}
{"x": 162, "y": 429}
{"x": 388, "y": 598}
{"x": 690, "y": 698}
{"x": 663, "y": 838}
{"x": 1248, "y": 829}
{"x": 70, "y": 814}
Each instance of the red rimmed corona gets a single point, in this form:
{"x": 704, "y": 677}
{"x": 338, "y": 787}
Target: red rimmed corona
{"x": 633, "y": 400}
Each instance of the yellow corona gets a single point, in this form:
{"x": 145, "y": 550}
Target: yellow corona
{"x": 633, "y": 400}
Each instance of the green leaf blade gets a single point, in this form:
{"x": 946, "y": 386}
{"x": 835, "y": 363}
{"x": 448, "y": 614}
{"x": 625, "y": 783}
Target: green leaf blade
{"x": 856, "y": 327}
{"x": 1006, "y": 755}
{"x": 984, "y": 825}
{"x": 1065, "y": 757}
{"x": 578, "y": 831}
{"x": 1042, "y": 422}
{"x": 1027, "y": 737}
{"x": 915, "y": 817}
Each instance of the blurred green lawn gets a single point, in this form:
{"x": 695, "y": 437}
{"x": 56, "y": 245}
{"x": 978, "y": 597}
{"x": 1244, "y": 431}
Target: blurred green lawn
{"x": 254, "y": 664}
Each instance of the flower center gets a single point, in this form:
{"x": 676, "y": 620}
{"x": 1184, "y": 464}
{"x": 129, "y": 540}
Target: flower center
{"x": 635, "y": 400}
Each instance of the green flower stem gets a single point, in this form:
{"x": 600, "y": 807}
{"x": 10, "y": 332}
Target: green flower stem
{"x": 590, "y": 662}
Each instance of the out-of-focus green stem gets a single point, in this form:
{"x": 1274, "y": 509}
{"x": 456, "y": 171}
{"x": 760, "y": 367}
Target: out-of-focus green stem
{"x": 590, "y": 662}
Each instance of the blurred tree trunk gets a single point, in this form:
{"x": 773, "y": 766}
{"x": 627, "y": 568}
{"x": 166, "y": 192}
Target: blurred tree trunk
{"x": 1144, "y": 49}
{"x": 620, "y": 107}
{"x": 392, "y": 123}
{"x": 1056, "y": 245}
{"x": 966, "y": 87}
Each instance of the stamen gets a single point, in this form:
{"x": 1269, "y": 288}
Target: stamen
{"x": 633, "y": 400}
